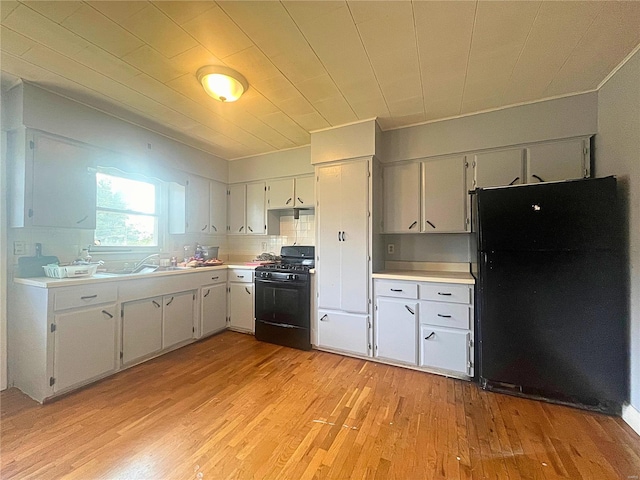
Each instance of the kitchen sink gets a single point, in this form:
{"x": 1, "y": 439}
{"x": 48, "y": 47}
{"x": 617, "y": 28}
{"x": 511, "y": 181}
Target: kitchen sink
{"x": 146, "y": 268}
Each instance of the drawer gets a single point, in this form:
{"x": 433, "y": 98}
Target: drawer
{"x": 445, "y": 292}
{"x": 454, "y": 315}
{"x": 212, "y": 277}
{"x": 445, "y": 349}
{"x": 75, "y": 297}
{"x": 391, "y": 288}
{"x": 240, "y": 275}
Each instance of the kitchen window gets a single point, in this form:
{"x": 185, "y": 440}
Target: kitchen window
{"x": 126, "y": 212}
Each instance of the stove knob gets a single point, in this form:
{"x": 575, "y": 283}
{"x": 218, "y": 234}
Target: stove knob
{"x": 295, "y": 277}
{"x": 290, "y": 277}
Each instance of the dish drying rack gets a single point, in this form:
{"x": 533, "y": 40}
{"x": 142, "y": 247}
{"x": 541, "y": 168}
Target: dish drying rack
{"x": 70, "y": 271}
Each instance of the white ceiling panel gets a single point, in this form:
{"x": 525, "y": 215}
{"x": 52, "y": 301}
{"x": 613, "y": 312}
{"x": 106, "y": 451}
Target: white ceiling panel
{"x": 310, "y": 64}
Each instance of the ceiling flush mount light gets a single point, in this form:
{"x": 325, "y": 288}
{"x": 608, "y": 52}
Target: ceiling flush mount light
{"x": 222, "y": 83}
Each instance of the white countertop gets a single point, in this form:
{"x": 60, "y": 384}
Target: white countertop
{"x": 427, "y": 276}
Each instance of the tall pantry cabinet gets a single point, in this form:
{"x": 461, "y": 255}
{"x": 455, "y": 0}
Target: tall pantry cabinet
{"x": 343, "y": 193}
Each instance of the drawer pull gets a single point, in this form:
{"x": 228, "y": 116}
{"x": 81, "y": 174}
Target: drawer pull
{"x": 240, "y": 276}
{"x": 446, "y": 294}
{"x": 444, "y": 316}
{"x": 396, "y": 289}
{"x": 214, "y": 278}
{"x": 323, "y": 318}
{"x": 430, "y": 335}
{"x": 107, "y": 314}
{"x": 206, "y": 294}
{"x": 169, "y": 302}
{"x": 89, "y": 297}
{"x": 409, "y": 309}
{"x": 155, "y": 303}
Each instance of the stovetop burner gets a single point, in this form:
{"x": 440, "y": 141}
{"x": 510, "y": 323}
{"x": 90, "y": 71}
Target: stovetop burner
{"x": 294, "y": 258}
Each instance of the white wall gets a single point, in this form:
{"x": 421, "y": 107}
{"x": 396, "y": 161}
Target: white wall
{"x": 295, "y": 161}
{"x": 618, "y": 153}
{"x": 3, "y": 261}
{"x": 552, "y": 119}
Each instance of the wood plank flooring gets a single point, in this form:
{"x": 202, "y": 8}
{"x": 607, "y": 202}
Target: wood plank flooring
{"x": 230, "y": 407}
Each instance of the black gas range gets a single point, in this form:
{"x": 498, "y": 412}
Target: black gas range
{"x": 283, "y": 298}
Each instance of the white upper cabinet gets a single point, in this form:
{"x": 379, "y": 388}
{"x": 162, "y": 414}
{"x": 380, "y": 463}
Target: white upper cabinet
{"x": 290, "y": 193}
{"x": 496, "y": 168}
{"x": 401, "y": 186}
{"x": 562, "y": 160}
{"x": 53, "y": 182}
{"x": 247, "y": 212}
{"x": 217, "y": 208}
{"x": 197, "y": 205}
{"x": 444, "y": 196}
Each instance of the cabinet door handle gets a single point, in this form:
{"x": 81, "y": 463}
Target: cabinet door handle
{"x": 514, "y": 180}
{"x": 536, "y": 176}
{"x": 288, "y": 201}
{"x": 82, "y": 219}
{"x": 214, "y": 227}
{"x": 107, "y": 314}
{"x": 247, "y": 290}
{"x": 413, "y": 225}
{"x": 299, "y": 199}
{"x": 444, "y": 316}
{"x": 343, "y": 236}
{"x": 206, "y": 294}
{"x": 430, "y": 335}
{"x": 445, "y": 294}
{"x": 339, "y": 237}
{"x": 395, "y": 289}
{"x": 409, "y": 309}
{"x": 431, "y": 224}
{"x": 250, "y": 229}
{"x": 323, "y": 318}
{"x": 155, "y": 303}
{"x": 88, "y": 297}
{"x": 204, "y": 228}
{"x": 241, "y": 228}
{"x": 169, "y": 302}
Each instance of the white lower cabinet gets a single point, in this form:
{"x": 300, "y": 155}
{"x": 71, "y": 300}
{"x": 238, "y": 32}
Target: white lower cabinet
{"x": 445, "y": 348}
{"x": 343, "y": 331}
{"x": 241, "y": 308}
{"x": 395, "y": 333}
{"x": 213, "y": 299}
{"x": 177, "y": 318}
{"x": 84, "y": 346}
{"x": 440, "y": 313}
{"x": 141, "y": 328}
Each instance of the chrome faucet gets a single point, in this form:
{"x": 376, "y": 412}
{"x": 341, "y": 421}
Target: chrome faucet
{"x": 141, "y": 262}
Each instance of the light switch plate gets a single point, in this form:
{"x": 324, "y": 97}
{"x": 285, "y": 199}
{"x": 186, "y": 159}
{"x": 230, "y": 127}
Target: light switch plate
{"x": 19, "y": 248}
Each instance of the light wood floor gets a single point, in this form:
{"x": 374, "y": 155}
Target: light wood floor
{"x": 232, "y": 407}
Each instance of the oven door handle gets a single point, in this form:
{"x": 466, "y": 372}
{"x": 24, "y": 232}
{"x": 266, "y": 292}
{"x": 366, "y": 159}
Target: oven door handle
{"x": 278, "y": 282}
{"x": 285, "y": 325}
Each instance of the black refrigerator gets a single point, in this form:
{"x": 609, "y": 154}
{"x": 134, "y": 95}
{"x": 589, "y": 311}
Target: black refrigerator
{"x": 551, "y": 319}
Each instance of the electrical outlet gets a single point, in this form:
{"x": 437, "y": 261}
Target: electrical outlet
{"x": 391, "y": 248}
{"x": 19, "y": 248}
{"x": 264, "y": 246}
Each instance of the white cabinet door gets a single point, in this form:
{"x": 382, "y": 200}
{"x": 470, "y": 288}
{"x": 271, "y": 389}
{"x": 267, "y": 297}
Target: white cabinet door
{"x": 177, "y": 321}
{"x": 343, "y": 331}
{"x": 214, "y": 308}
{"x": 553, "y": 161}
{"x": 329, "y": 244}
{"x": 197, "y": 205}
{"x": 64, "y": 185}
{"x": 401, "y": 186}
{"x": 241, "y": 316}
{"x": 141, "y": 328}
{"x": 256, "y": 214}
{"x": 304, "y": 192}
{"x": 237, "y": 209}
{"x": 443, "y": 348}
{"x": 280, "y": 193}
{"x": 444, "y": 195}
{"x": 84, "y": 346}
{"x": 354, "y": 261}
{"x": 217, "y": 208}
{"x": 396, "y": 326}
{"x": 502, "y": 167}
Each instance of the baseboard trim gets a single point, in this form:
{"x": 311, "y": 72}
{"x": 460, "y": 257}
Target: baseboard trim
{"x": 632, "y": 417}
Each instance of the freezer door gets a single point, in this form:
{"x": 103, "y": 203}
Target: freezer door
{"x": 554, "y": 324}
{"x": 580, "y": 215}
